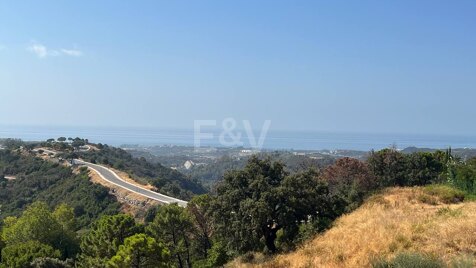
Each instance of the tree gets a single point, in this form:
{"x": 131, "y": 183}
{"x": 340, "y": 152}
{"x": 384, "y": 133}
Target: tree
{"x": 77, "y": 142}
{"x": 38, "y": 223}
{"x": 465, "y": 176}
{"x": 64, "y": 215}
{"x": 349, "y": 180}
{"x": 20, "y": 255}
{"x": 304, "y": 199}
{"x": 141, "y": 251}
{"x": 253, "y": 204}
{"x": 244, "y": 209}
{"x": 424, "y": 168}
{"x": 104, "y": 239}
{"x": 393, "y": 168}
{"x": 173, "y": 225}
{"x": 150, "y": 214}
{"x": 389, "y": 166}
{"x": 2, "y": 245}
{"x": 217, "y": 256}
{"x": 61, "y": 139}
{"x": 197, "y": 208}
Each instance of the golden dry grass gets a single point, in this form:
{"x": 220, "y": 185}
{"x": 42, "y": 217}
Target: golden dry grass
{"x": 400, "y": 219}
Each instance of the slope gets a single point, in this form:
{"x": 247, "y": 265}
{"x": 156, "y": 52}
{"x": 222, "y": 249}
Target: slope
{"x": 421, "y": 220}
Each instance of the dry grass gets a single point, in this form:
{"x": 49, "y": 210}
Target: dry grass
{"x": 394, "y": 221}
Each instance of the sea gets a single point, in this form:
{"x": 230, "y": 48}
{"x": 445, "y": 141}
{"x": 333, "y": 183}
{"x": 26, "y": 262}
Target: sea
{"x": 273, "y": 140}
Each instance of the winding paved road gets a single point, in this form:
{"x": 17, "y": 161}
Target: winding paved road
{"x": 110, "y": 176}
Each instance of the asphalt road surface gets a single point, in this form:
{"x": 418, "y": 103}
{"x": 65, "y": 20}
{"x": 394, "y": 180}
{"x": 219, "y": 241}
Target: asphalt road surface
{"x": 110, "y": 176}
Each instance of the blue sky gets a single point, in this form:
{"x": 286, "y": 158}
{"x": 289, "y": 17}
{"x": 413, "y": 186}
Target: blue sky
{"x": 362, "y": 66}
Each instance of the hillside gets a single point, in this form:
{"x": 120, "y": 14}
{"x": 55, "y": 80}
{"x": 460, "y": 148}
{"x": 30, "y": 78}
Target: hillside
{"x": 395, "y": 221}
{"x": 166, "y": 180}
{"x": 25, "y": 179}
{"x": 28, "y": 173}
{"x": 256, "y": 214}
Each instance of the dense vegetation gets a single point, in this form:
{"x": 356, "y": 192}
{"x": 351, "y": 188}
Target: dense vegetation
{"x": 463, "y": 176}
{"x": 211, "y": 172}
{"x": 406, "y": 227}
{"x": 36, "y": 179}
{"x": 209, "y": 165}
{"x": 263, "y": 207}
{"x": 168, "y": 181}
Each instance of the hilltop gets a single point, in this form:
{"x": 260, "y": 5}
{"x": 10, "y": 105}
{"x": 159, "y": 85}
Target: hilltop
{"x": 41, "y": 171}
{"x": 397, "y": 222}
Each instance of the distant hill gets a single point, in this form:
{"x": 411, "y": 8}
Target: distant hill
{"x": 209, "y": 167}
{"x": 410, "y": 150}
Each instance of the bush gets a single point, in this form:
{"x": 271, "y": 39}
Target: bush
{"x": 217, "y": 255}
{"x": 465, "y": 176}
{"x": 22, "y": 254}
{"x": 463, "y": 261}
{"x": 446, "y": 193}
{"x": 428, "y": 199}
{"x": 409, "y": 260}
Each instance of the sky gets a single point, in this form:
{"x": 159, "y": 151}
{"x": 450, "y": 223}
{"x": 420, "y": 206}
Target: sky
{"x": 359, "y": 66}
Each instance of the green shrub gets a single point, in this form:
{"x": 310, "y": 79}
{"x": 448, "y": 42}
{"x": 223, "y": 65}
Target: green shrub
{"x": 446, "y": 193}
{"x": 217, "y": 255}
{"x": 409, "y": 260}
{"x": 428, "y": 199}
{"x": 465, "y": 176}
{"x": 463, "y": 261}
{"x": 22, "y": 254}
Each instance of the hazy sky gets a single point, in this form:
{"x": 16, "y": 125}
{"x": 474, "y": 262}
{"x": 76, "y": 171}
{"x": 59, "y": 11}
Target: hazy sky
{"x": 365, "y": 66}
